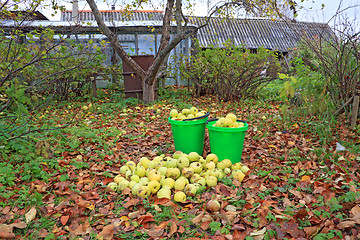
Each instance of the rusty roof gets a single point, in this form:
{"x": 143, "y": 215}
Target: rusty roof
{"x": 254, "y": 33}
{"x": 116, "y": 15}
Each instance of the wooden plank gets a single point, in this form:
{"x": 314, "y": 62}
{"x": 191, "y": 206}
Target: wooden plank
{"x": 355, "y": 111}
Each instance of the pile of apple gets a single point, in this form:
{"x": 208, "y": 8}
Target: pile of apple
{"x": 228, "y": 121}
{"x": 182, "y": 173}
{"x": 186, "y": 113}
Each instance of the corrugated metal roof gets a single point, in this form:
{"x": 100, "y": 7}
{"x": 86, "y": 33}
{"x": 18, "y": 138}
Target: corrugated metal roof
{"x": 253, "y": 33}
{"x": 116, "y": 15}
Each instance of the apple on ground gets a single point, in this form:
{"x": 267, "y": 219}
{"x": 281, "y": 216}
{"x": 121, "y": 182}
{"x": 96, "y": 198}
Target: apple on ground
{"x": 211, "y": 181}
{"x": 140, "y": 171}
{"x": 113, "y": 186}
{"x": 179, "y": 196}
{"x": 144, "y": 181}
{"x": 123, "y": 184}
{"x": 131, "y": 165}
{"x": 197, "y": 166}
{"x": 193, "y": 157}
{"x": 144, "y": 161}
{"x": 180, "y": 184}
{"x": 143, "y": 191}
{"x": 212, "y": 158}
{"x": 154, "y": 175}
{"x": 135, "y": 178}
{"x": 187, "y": 172}
{"x": 124, "y": 169}
{"x": 213, "y": 205}
{"x": 183, "y": 161}
{"x": 177, "y": 154}
{"x": 118, "y": 178}
{"x": 244, "y": 169}
{"x": 190, "y": 189}
{"x": 173, "y": 173}
{"x": 154, "y": 186}
{"x": 169, "y": 182}
{"x": 164, "y": 192}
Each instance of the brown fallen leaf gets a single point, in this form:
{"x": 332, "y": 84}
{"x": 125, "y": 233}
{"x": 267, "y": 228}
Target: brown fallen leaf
{"x": 198, "y": 218}
{"x": 30, "y": 215}
{"x": 64, "y": 219}
{"x": 173, "y": 228}
{"x": 346, "y": 224}
{"x": 309, "y": 231}
{"x": 108, "y": 232}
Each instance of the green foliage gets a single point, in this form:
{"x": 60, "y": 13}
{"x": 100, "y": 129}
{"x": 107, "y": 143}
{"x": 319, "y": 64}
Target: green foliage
{"x": 230, "y": 72}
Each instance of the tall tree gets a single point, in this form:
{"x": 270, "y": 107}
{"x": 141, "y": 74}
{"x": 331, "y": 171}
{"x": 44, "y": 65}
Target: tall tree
{"x": 173, "y": 10}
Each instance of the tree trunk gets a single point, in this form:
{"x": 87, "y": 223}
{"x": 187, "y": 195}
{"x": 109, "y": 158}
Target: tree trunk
{"x": 148, "y": 91}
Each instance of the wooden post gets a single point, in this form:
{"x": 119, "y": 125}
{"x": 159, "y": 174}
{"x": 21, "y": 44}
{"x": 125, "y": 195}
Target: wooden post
{"x": 355, "y": 110}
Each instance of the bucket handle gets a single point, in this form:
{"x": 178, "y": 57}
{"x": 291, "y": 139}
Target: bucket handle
{"x": 215, "y": 119}
{"x": 196, "y": 118}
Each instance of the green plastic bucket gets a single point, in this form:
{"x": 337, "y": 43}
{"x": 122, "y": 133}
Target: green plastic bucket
{"x": 227, "y": 143}
{"x": 189, "y": 135}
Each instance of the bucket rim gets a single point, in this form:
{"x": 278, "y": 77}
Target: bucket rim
{"x": 193, "y": 122}
{"x": 210, "y": 126}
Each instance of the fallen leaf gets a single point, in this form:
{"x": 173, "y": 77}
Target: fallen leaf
{"x": 346, "y": 224}
{"x": 173, "y": 228}
{"x": 305, "y": 178}
{"x": 30, "y": 215}
{"x": 20, "y": 225}
{"x": 108, "y": 232}
{"x": 64, "y": 219}
{"x": 309, "y": 231}
{"x": 258, "y": 232}
{"x": 198, "y": 218}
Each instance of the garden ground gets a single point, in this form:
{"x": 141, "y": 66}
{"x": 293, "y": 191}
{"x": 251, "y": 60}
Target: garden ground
{"x": 299, "y": 186}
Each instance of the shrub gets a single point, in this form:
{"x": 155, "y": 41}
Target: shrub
{"x": 231, "y": 72}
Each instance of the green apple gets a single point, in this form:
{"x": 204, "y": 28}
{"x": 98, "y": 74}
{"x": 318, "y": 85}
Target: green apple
{"x": 113, "y": 186}
{"x": 235, "y": 166}
{"x": 194, "y": 110}
{"x": 231, "y": 116}
{"x": 227, "y": 171}
{"x": 190, "y": 116}
{"x": 144, "y": 181}
{"x": 221, "y": 174}
{"x": 211, "y": 181}
{"x": 154, "y": 186}
{"x": 173, "y": 173}
{"x": 118, "y": 178}
{"x": 179, "y": 196}
{"x": 185, "y": 111}
{"x": 144, "y": 161}
{"x": 190, "y": 189}
{"x": 227, "y": 122}
{"x": 227, "y": 163}
{"x": 143, "y": 191}
{"x": 128, "y": 174}
{"x": 201, "y": 181}
{"x": 239, "y": 176}
{"x": 214, "y": 172}
{"x": 131, "y": 165}
{"x": 140, "y": 171}
{"x": 244, "y": 169}
{"x": 210, "y": 165}
{"x": 132, "y": 184}
{"x": 135, "y": 189}
{"x": 193, "y": 157}
{"x": 187, "y": 172}
{"x": 162, "y": 170}
{"x": 183, "y": 161}
{"x": 212, "y": 158}
{"x": 174, "y": 113}
{"x": 153, "y": 164}
{"x": 197, "y": 166}
{"x": 168, "y": 182}
{"x": 177, "y": 154}
{"x": 171, "y": 163}
{"x": 123, "y": 184}
{"x": 158, "y": 158}
{"x": 124, "y": 169}
{"x": 213, "y": 205}
{"x": 221, "y": 165}
{"x": 180, "y": 184}
{"x": 135, "y": 178}
{"x": 154, "y": 175}
{"x": 194, "y": 177}
{"x": 164, "y": 192}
